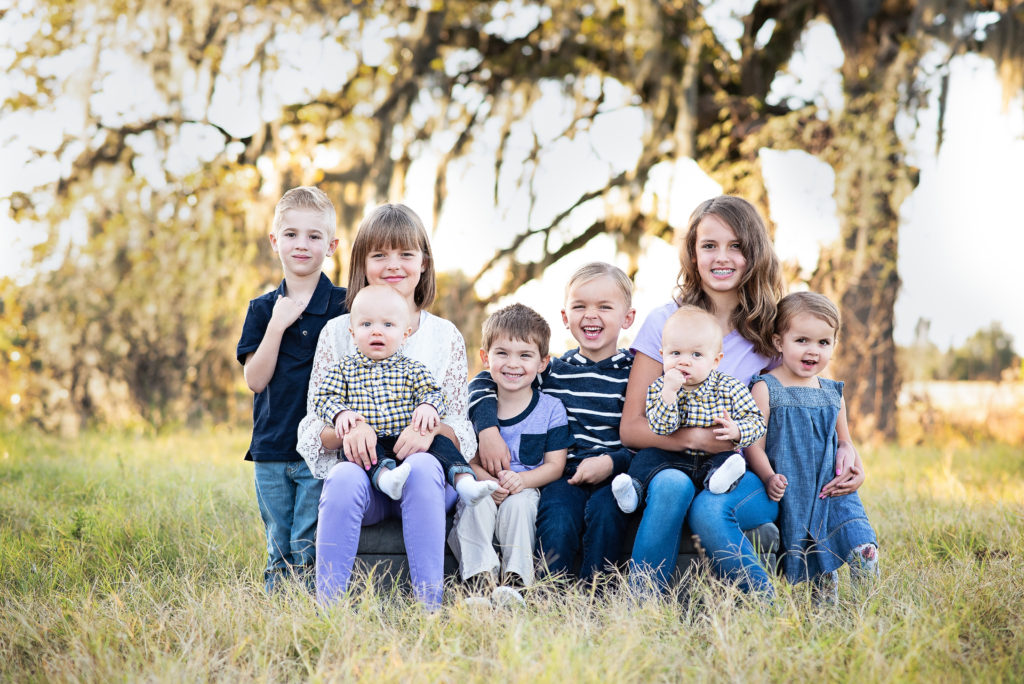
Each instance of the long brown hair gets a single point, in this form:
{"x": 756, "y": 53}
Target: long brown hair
{"x": 760, "y": 287}
{"x": 392, "y": 226}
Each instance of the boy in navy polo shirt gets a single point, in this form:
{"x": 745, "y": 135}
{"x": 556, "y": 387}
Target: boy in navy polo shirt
{"x": 278, "y": 341}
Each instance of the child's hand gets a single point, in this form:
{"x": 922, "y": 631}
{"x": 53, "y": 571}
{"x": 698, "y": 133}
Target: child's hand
{"x": 345, "y": 421}
{"x": 511, "y": 481}
{"x": 846, "y": 482}
{"x": 776, "y": 486}
{"x": 425, "y": 419}
{"x": 360, "y": 445}
{"x": 674, "y": 380}
{"x": 411, "y": 441}
{"x": 493, "y": 451}
{"x": 286, "y": 311}
{"x": 593, "y": 470}
{"x": 499, "y": 495}
{"x": 728, "y": 429}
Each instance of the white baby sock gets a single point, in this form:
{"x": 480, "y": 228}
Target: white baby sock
{"x": 392, "y": 482}
{"x": 473, "y": 492}
{"x": 625, "y": 493}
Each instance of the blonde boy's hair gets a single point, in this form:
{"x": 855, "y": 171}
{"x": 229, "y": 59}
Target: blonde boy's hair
{"x": 691, "y": 316}
{"x": 307, "y": 197}
{"x": 598, "y": 269}
{"x": 517, "y": 322}
{"x": 817, "y": 305}
{"x": 392, "y": 226}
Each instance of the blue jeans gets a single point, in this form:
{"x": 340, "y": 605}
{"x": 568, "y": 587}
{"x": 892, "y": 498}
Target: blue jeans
{"x": 656, "y": 546}
{"x": 288, "y": 496}
{"x": 571, "y": 516}
{"x": 719, "y": 521}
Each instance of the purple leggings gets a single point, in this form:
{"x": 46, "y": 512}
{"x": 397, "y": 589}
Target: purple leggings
{"x": 348, "y": 502}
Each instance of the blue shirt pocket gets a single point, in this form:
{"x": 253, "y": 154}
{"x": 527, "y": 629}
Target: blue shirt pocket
{"x": 531, "y": 449}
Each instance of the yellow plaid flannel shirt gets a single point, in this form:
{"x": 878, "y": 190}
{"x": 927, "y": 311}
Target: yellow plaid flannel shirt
{"x": 384, "y": 392}
{"x": 699, "y": 408}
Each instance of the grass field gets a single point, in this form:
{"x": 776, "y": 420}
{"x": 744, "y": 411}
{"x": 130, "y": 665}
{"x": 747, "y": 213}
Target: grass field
{"x": 140, "y": 558}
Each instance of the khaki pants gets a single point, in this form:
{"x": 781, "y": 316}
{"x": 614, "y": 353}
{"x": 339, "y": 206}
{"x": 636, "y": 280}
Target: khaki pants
{"x": 513, "y": 524}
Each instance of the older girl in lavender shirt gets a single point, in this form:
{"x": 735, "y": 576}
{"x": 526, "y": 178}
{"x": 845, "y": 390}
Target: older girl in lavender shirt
{"x": 730, "y": 269}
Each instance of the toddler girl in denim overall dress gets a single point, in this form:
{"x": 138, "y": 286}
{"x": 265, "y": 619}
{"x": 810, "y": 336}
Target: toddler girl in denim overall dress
{"x": 822, "y": 521}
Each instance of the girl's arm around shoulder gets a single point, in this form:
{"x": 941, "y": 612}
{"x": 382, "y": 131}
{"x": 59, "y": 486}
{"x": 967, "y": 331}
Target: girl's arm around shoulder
{"x": 849, "y": 468}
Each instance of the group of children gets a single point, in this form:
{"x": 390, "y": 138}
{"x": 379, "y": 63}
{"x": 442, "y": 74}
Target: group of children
{"x": 551, "y": 473}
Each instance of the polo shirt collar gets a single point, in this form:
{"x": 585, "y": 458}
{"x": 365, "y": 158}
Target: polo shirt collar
{"x": 321, "y": 298}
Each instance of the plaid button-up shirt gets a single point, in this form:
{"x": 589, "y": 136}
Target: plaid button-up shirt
{"x": 699, "y": 408}
{"x": 384, "y": 392}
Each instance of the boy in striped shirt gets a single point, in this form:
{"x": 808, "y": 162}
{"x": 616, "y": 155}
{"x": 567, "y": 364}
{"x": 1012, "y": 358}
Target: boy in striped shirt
{"x": 578, "y": 515}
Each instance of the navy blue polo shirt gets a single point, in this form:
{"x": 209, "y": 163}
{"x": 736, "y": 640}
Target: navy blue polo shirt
{"x": 278, "y": 409}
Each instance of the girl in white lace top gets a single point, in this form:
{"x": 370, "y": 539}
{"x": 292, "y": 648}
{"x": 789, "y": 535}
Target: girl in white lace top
{"x": 391, "y": 248}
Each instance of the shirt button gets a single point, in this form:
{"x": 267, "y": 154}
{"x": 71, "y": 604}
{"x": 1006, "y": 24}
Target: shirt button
{"x": 305, "y": 332}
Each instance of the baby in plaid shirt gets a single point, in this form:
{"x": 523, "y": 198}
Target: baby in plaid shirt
{"x": 693, "y": 393}
{"x": 389, "y": 391}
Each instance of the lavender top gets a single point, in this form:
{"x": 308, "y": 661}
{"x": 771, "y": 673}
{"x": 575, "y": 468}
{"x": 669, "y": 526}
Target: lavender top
{"x": 740, "y": 360}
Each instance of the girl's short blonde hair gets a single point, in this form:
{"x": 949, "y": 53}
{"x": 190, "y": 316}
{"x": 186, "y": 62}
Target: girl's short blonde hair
{"x": 392, "y": 226}
{"x": 817, "y": 305}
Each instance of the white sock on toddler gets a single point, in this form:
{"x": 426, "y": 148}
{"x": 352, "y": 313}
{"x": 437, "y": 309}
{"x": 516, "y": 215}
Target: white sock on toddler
{"x": 472, "y": 491}
{"x": 728, "y": 474}
{"x": 625, "y": 493}
{"x": 392, "y": 482}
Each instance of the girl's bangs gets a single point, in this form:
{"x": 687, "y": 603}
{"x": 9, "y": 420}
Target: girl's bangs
{"x": 400, "y": 234}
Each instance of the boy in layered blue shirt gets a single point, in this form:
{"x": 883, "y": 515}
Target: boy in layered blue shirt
{"x": 578, "y": 512}
{"x": 276, "y": 348}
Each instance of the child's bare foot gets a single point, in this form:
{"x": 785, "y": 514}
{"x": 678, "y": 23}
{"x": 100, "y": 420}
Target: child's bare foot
{"x": 392, "y": 482}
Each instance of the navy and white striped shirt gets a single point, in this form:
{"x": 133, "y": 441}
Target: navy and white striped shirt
{"x": 593, "y": 395}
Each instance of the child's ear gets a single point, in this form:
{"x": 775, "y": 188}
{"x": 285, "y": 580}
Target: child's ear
{"x": 332, "y": 246}
{"x": 544, "y": 361}
{"x": 628, "y": 320}
{"x": 483, "y": 359}
{"x": 565, "y": 319}
{"x": 718, "y": 359}
{"x": 273, "y": 241}
{"x": 408, "y": 331}
{"x": 777, "y": 343}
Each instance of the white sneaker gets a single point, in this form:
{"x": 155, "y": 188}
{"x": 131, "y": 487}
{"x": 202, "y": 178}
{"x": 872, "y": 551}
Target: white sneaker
{"x": 728, "y": 474}
{"x": 507, "y": 597}
{"x": 476, "y": 602}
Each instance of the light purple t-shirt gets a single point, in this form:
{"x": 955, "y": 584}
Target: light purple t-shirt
{"x": 740, "y": 360}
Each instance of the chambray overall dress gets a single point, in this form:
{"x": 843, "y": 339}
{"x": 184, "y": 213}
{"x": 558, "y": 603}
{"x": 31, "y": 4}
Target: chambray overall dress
{"x": 817, "y": 535}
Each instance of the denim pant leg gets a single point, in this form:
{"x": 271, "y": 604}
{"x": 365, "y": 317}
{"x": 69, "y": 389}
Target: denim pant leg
{"x": 560, "y": 517}
{"x": 385, "y": 450}
{"x": 719, "y": 521}
{"x": 307, "y": 501}
{"x": 656, "y": 547}
{"x": 275, "y": 495}
{"x": 603, "y": 532}
{"x": 451, "y": 459}
{"x": 648, "y": 462}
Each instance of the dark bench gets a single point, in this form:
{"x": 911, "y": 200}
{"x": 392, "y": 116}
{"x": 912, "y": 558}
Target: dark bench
{"x": 382, "y": 545}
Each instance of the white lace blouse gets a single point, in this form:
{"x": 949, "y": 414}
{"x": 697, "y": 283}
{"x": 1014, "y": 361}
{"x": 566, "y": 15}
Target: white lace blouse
{"x": 437, "y": 344}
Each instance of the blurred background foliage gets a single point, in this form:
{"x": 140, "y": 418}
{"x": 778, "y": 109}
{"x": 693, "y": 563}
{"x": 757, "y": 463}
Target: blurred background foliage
{"x": 155, "y": 216}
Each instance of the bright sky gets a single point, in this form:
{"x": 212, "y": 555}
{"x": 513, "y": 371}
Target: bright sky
{"x": 959, "y": 283}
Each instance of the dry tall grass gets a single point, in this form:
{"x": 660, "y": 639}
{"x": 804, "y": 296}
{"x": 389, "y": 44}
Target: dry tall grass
{"x": 139, "y": 558}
